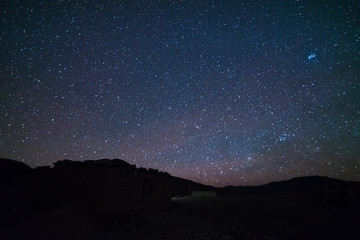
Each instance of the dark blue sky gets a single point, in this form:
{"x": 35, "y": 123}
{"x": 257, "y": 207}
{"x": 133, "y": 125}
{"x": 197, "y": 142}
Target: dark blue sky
{"x": 220, "y": 92}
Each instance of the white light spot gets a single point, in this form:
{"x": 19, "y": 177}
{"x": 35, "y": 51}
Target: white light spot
{"x": 312, "y": 56}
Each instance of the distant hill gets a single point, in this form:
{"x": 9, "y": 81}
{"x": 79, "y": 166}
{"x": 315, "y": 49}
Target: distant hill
{"x": 106, "y": 185}
{"x": 323, "y": 187}
{"x": 308, "y": 184}
{"x": 113, "y": 196}
{"x": 8, "y": 165}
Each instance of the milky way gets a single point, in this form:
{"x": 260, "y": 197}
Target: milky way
{"x": 220, "y": 92}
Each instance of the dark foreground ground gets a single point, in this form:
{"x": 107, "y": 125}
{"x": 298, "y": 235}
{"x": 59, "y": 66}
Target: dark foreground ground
{"x": 251, "y": 216}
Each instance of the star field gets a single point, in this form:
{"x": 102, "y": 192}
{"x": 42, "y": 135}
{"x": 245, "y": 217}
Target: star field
{"x": 219, "y": 92}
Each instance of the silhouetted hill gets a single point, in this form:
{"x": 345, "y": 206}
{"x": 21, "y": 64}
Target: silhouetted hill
{"x": 106, "y": 185}
{"x": 308, "y": 184}
{"x": 7, "y": 165}
{"x": 112, "y": 199}
{"x": 317, "y": 188}
{"x": 298, "y": 184}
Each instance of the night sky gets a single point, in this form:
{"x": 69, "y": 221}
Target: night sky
{"x": 219, "y": 92}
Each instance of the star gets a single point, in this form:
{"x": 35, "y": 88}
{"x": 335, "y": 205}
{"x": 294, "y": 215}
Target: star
{"x": 311, "y": 56}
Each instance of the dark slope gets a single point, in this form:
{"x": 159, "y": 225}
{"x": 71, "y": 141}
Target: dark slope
{"x": 315, "y": 188}
{"x": 111, "y": 199}
{"x": 309, "y": 184}
{"x": 105, "y": 185}
{"x": 298, "y": 184}
{"x": 7, "y": 165}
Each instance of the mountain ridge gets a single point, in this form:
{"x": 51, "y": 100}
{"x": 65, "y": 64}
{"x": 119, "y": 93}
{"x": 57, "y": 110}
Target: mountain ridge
{"x": 8, "y": 165}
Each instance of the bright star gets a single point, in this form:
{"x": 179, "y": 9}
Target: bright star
{"x": 311, "y": 56}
